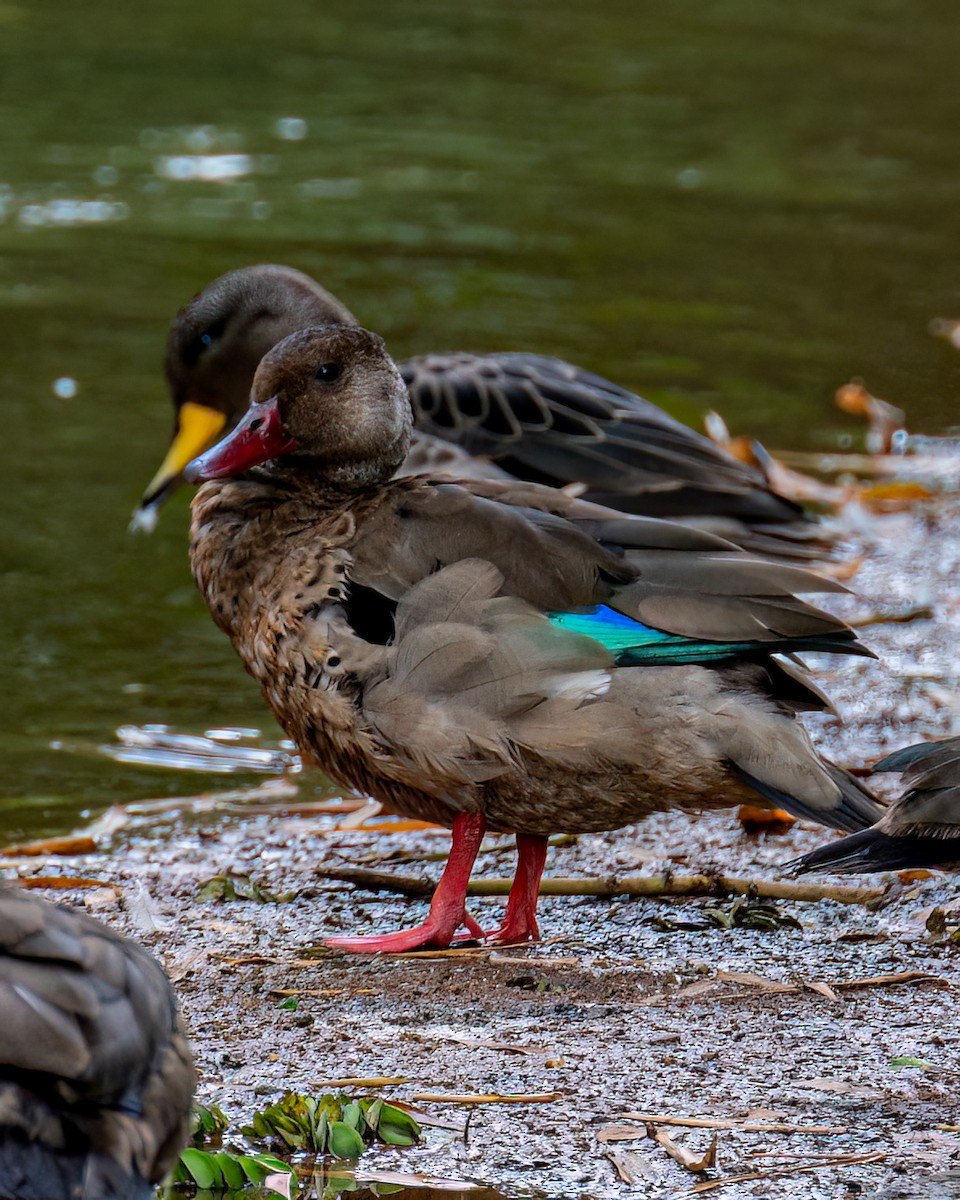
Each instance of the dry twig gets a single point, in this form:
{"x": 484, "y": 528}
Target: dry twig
{"x": 828, "y": 1160}
{"x": 486, "y": 1098}
{"x": 626, "y": 885}
{"x": 712, "y": 1123}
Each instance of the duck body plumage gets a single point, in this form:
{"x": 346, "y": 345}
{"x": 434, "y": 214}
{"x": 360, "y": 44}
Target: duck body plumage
{"x": 919, "y": 829}
{"x": 96, "y": 1075}
{"x": 330, "y": 596}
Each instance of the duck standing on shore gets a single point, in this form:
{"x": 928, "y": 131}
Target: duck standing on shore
{"x": 495, "y": 655}
{"x": 521, "y": 416}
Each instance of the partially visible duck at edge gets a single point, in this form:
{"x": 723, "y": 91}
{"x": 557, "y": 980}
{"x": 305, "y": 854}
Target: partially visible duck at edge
{"x": 96, "y": 1074}
{"x": 522, "y": 416}
{"x": 920, "y": 829}
{"x": 495, "y": 655}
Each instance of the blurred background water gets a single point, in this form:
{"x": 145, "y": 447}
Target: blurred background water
{"x": 733, "y": 205}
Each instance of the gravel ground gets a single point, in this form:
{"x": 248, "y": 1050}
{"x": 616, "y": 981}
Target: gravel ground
{"x": 622, "y": 1009}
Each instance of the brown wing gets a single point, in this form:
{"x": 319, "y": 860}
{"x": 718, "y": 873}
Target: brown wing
{"x": 91, "y": 1030}
{"x": 543, "y": 419}
{"x": 931, "y": 803}
{"x": 563, "y": 554}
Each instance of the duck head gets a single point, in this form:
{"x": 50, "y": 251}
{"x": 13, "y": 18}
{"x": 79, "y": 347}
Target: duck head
{"x": 214, "y": 347}
{"x": 329, "y": 400}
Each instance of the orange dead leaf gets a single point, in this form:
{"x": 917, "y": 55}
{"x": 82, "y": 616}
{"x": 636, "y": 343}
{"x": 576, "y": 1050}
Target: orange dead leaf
{"x": 391, "y": 825}
{"x": 894, "y": 497}
{"x": 763, "y": 820}
{"x": 78, "y": 844}
{"x": 64, "y": 881}
{"x": 884, "y": 418}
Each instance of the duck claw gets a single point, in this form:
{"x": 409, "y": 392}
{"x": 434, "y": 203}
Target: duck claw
{"x": 431, "y": 935}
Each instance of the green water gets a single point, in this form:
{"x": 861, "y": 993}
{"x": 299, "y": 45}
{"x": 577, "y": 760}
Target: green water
{"x": 736, "y": 205}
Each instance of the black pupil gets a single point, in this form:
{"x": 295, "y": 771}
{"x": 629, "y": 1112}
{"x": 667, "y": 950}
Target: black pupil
{"x": 328, "y": 372}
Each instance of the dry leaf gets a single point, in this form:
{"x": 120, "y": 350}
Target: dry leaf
{"x": 620, "y": 1133}
{"x": 631, "y": 1167}
{"x": 100, "y": 899}
{"x": 686, "y": 1158}
{"x": 823, "y": 989}
{"x": 362, "y": 813}
{"x": 758, "y": 981}
{"x": 841, "y": 1087}
{"x": 64, "y": 882}
{"x": 768, "y": 820}
{"x": 884, "y": 418}
{"x": 490, "y": 1044}
{"x": 143, "y": 910}
{"x": 76, "y": 844}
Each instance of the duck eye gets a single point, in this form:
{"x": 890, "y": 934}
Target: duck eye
{"x": 328, "y": 372}
{"x": 200, "y": 344}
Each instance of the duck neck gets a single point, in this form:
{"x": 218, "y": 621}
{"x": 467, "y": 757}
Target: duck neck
{"x": 343, "y": 474}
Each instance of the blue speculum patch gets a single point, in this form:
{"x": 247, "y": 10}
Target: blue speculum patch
{"x": 636, "y": 644}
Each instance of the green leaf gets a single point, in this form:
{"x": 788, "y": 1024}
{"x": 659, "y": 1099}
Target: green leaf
{"x": 201, "y": 1168}
{"x": 241, "y": 887}
{"x": 322, "y": 1132}
{"x": 352, "y": 1115}
{"x": 230, "y": 1169}
{"x": 209, "y": 1125}
{"x": 289, "y": 1004}
{"x": 345, "y": 1142}
{"x": 905, "y": 1061}
{"x": 397, "y": 1128}
{"x": 371, "y": 1110}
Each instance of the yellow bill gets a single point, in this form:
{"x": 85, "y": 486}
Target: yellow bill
{"x": 198, "y": 427}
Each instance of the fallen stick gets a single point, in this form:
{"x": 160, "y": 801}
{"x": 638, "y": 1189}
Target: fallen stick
{"x": 486, "y": 1098}
{"x": 836, "y": 1160}
{"x": 360, "y": 1081}
{"x": 626, "y": 885}
{"x": 849, "y": 985}
{"x": 741, "y": 1126}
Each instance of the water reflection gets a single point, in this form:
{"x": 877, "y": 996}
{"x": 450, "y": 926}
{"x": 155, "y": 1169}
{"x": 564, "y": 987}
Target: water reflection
{"x": 340, "y": 1183}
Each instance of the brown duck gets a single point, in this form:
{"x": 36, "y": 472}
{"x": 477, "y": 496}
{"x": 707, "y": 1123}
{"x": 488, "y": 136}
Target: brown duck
{"x": 523, "y": 416}
{"x": 96, "y": 1075}
{"x": 920, "y": 829}
{"x": 494, "y": 655}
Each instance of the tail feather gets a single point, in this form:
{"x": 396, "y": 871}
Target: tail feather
{"x": 855, "y": 809}
{"x": 870, "y": 850}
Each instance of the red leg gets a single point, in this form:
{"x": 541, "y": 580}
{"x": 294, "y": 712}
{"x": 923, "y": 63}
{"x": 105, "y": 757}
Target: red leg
{"x": 520, "y": 922}
{"x": 448, "y": 908}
